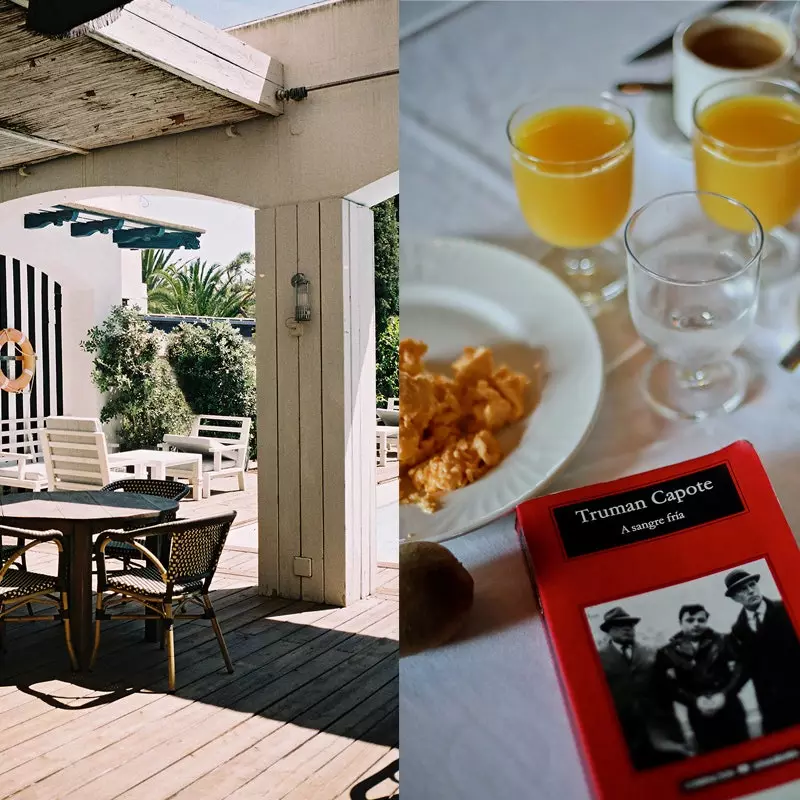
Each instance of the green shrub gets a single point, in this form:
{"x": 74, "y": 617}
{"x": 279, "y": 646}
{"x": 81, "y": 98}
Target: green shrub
{"x": 387, "y": 350}
{"x": 387, "y": 333}
{"x": 387, "y": 263}
{"x": 216, "y": 370}
{"x": 141, "y": 393}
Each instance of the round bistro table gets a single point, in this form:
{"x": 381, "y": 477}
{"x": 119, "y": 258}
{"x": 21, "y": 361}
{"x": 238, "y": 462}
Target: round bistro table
{"x": 79, "y": 516}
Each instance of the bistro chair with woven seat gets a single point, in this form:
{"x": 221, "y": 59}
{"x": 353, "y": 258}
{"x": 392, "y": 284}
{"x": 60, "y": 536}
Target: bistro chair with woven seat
{"x": 8, "y": 550}
{"x": 20, "y": 587}
{"x": 172, "y": 490}
{"x": 164, "y": 589}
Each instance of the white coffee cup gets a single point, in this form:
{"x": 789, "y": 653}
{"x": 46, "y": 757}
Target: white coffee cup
{"x": 691, "y": 75}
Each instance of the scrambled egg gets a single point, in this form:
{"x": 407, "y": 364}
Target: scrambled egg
{"x": 447, "y": 425}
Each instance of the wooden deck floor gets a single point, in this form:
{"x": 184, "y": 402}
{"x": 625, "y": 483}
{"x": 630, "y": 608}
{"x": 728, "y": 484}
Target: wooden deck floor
{"x": 309, "y": 714}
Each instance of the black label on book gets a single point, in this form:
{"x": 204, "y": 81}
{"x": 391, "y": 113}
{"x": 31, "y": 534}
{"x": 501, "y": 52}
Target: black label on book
{"x": 619, "y": 519}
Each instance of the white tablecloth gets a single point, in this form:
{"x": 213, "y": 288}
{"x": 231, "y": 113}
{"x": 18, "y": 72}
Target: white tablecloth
{"x": 483, "y": 718}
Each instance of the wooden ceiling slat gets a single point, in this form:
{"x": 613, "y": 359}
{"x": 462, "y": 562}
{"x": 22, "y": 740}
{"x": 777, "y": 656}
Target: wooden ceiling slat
{"x": 17, "y": 153}
{"x": 88, "y": 95}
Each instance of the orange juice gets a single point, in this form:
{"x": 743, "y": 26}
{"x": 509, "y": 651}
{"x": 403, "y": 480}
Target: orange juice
{"x": 575, "y": 188}
{"x": 748, "y": 148}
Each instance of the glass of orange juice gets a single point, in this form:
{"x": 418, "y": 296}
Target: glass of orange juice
{"x": 572, "y": 164}
{"x": 747, "y": 146}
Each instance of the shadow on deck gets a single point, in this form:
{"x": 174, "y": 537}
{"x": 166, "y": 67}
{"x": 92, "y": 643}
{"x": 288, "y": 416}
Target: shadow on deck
{"x": 310, "y": 711}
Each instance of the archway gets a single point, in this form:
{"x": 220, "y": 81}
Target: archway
{"x": 317, "y": 390}
{"x": 301, "y": 172}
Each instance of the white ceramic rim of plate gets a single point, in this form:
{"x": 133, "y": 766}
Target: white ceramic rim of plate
{"x": 409, "y": 280}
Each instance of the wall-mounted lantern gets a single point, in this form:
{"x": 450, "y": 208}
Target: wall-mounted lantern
{"x": 302, "y": 300}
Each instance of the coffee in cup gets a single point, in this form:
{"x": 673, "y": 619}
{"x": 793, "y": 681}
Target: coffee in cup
{"x": 737, "y": 43}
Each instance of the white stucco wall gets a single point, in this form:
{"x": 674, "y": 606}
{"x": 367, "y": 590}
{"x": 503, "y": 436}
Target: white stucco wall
{"x": 327, "y": 42}
{"x": 131, "y": 287}
{"x": 90, "y": 273}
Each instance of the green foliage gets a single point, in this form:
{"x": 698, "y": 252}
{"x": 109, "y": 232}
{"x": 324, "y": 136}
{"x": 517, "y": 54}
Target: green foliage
{"x": 155, "y": 263}
{"x": 204, "y": 290}
{"x": 125, "y": 350}
{"x": 142, "y": 395}
{"x": 157, "y": 266}
{"x": 197, "y": 288}
{"x": 387, "y": 264}
{"x": 238, "y": 267}
{"x": 387, "y": 299}
{"x": 387, "y": 361}
{"x": 216, "y": 370}
{"x": 243, "y": 275}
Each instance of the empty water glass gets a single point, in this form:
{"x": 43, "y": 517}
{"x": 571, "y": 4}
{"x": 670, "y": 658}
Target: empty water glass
{"x": 693, "y": 291}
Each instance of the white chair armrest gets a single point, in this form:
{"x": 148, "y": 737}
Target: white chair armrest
{"x": 242, "y": 448}
{"x": 229, "y": 447}
{"x": 20, "y": 458}
{"x": 6, "y": 455}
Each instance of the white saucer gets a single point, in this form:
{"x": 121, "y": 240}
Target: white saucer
{"x": 658, "y": 118}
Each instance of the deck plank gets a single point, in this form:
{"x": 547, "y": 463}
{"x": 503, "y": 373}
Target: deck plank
{"x": 282, "y": 762}
{"x": 310, "y": 682}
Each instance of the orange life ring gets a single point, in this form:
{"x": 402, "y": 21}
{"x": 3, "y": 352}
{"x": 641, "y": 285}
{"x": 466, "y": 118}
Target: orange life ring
{"x": 28, "y": 358}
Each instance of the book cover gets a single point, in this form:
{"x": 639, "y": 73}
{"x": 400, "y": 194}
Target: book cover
{"x": 672, "y": 604}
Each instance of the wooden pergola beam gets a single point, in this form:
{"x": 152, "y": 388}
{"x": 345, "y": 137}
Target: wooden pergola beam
{"x": 9, "y": 133}
{"x": 177, "y": 42}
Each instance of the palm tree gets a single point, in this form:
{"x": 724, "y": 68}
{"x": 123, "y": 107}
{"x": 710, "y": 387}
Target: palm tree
{"x": 157, "y": 265}
{"x": 205, "y": 290}
{"x": 196, "y": 288}
{"x": 245, "y": 280}
{"x": 237, "y": 266}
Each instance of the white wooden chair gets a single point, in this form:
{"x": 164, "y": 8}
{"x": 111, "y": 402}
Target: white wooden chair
{"x": 21, "y": 459}
{"x": 386, "y": 441}
{"x": 393, "y": 404}
{"x": 223, "y": 443}
{"x": 75, "y": 454}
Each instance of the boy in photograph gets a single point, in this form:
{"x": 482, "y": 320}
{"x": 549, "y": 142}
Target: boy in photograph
{"x": 693, "y": 668}
{"x": 765, "y": 642}
{"x": 651, "y": 732}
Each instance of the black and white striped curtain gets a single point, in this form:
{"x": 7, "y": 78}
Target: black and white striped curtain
{"x": 31, "y": 303}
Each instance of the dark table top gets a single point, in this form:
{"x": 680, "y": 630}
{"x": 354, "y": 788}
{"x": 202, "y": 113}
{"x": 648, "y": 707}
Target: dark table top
{"x": 98, "y": 510}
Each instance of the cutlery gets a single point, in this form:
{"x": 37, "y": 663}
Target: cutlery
{"x": 665, "y": 45}
{"x": 792, "y": 359}
{"x": 638, "y": 87}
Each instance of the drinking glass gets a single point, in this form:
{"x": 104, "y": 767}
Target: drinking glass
{"x": 572, "y": 163}
{"x": 747, "y": 146}
{"x": 693, "y": 290}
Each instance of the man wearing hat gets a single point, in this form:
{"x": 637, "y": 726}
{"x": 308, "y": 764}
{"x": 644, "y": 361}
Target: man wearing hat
{"x": 766, "y": 644}
{"x": 650, "y": 729}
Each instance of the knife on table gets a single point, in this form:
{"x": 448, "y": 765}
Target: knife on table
{"x": 791, "y": 360}
{"x": 665, "y": 45}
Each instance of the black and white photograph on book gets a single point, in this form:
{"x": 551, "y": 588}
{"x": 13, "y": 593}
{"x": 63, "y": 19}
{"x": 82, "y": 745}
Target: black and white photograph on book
{"x": 700, "y": 665}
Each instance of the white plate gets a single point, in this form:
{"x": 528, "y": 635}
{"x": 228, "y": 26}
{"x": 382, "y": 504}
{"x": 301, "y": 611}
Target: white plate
{"x": 456, "y": 293}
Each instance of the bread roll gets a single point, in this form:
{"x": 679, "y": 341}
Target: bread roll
{"x": 436, "y": 594}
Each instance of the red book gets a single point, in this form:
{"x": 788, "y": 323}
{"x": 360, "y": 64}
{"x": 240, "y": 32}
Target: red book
{"x": 672, "y": 603}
